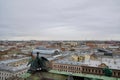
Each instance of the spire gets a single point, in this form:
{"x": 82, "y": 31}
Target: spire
{"x": 37, "y": 54}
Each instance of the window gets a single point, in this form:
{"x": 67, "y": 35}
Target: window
{"x": 89, "y": 70}
{"x": 99, "y": 71}
{"x": 92, "y": 70}
{"x": 96, "y": 71}
{"x": 118, "y": 73}
{"x": 83, "y": 69}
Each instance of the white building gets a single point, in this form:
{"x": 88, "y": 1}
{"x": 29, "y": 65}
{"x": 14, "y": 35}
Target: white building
{"x": 113, "y": 47}
{"x": 46, "y": 51}
{"x": 14, "y": 67}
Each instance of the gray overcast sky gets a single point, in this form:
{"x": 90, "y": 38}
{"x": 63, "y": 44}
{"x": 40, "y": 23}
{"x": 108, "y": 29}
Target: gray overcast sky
{"x": 60, "y": 19}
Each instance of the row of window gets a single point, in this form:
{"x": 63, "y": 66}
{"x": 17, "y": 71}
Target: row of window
{"x": 116, "y": 73}
{"x": 91, "y": 70}
{"x": 98, "y": 71}
{"x": 73, "y": 71}
{"x": 4, "y": 75}
{"x": 67, "y": 67}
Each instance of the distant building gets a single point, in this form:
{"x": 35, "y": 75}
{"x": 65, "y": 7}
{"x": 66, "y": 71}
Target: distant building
{"x": 78, "y": 58}
{"x": 106, "y": 52}
{"x": 113, "y": 47}
{"x": 91, "y": 64}
{"x": 83, "y": 69}
{"x": 46, "y": 52}
{"x": 14, "y": 67}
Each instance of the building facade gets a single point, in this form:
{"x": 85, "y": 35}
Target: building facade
{"x": 11, "y": 68}
{"x": 83, "y": 69}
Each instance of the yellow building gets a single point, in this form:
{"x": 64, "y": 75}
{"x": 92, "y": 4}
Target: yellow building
{"x": 81, "y": 58}
{"x": 87, "y": 57}
{"x": 75, "y": 58}
{"x": 78, "y": 58}
{"x": 93, "y": 56}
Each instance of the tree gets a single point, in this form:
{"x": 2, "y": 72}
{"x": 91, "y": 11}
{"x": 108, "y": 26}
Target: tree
{"x": 107, "y": 72}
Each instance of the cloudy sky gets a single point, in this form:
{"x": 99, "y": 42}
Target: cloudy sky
{"x": 60, "y": 19}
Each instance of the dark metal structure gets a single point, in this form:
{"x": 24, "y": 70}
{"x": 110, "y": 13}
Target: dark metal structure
{"x": 38, "y": 64}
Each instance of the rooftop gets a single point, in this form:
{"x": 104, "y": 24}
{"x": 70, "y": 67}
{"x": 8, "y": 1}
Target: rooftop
{"x": 5, "y": 67}
{"x": 112, "y": 63}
